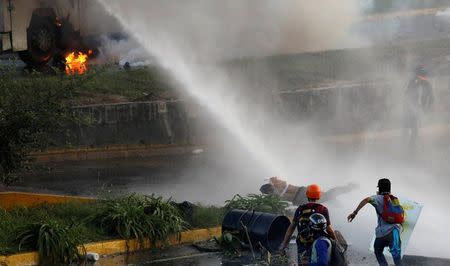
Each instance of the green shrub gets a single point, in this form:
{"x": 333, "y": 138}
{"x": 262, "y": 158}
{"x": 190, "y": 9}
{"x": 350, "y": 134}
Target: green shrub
{"x": 54, "y": 242}
{"x": 139, "y": 217}
{"x": 206, "y": 216}
{"x": 262, "y": 203}
{"x": 77, "y": 215}
{"x": 11, "y": 222}
{"x": 71, "y": 215}
{"x": 230, "y": 243}
{"x": 127, "y": 217}
{"x": 32, "y": 110}
{"x": 166, "y": 217}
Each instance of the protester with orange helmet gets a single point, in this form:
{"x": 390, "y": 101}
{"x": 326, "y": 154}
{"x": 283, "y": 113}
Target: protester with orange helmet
{"x": 313, "y": 192}
{"x": 301, "y": 220}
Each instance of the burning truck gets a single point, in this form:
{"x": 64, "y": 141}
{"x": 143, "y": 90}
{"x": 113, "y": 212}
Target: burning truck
{"x": 52, "y": 31}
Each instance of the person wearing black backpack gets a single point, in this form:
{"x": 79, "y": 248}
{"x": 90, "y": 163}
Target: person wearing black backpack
{"x": 390, "y": 218}
{"x": 325, "y": 251}
{"x": 321, "y": 247}
{"x": 301, "y": 222}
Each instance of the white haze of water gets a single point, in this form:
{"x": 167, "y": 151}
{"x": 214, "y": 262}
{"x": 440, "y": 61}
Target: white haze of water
{"x": 123, "y": 51}
{"x": 188, "y": 38}
{"x": 185, "y": 37}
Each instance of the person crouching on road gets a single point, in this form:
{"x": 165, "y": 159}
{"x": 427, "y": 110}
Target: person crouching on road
{"x": 297, "y": 195}
{"x": 301, "y": 220}
{"x": 387, "y": 232}
{"x": 321, "y": 247}
{"x": 279, "y": 187}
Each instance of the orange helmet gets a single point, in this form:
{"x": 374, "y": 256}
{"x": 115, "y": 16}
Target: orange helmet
{"x": 313, "y": 192}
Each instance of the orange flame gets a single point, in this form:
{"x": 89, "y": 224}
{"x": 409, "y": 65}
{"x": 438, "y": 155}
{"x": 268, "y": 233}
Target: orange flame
{"x": 76, "y": 63}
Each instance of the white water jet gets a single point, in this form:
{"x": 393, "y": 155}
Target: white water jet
{"x": 189, "y": 38}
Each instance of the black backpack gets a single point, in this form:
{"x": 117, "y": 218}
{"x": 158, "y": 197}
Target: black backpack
{"x": 338, "y": 257}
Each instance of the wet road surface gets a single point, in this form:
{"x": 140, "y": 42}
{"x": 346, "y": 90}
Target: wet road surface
{"x": 182, "y": 177}
{"x": 188, "y": 255}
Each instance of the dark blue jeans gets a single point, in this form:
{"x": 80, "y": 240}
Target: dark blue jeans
{"x": 392, "y": 240}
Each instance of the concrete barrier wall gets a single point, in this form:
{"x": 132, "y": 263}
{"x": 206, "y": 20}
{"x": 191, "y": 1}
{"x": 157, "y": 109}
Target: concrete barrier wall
{"x": 339, "y": 109}
{"x": 111, "y": 152}
{"x": 344, "y": 108}
{"x": 131, "y": 123}
{"x": 355, "y": 107}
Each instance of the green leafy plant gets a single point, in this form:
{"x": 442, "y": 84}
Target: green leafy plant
{"x": 31, "y": 110}
{"x": 166, "y": 218}
{"x": 230, "y": 243}
{"x": 206, "y": 216}
{"x": 127, "y": 217}
{"x": 139, "y": 217}
{"x": 262, "y": 203}
{"x": 53, "y": 241}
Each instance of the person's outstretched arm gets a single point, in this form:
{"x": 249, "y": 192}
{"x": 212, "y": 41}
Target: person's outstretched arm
{"x": 360, "y": 206}
{"x": 287, "y": 236}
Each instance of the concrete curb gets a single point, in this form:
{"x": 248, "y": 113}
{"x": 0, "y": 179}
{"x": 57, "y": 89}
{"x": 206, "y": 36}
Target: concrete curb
{"x": 110, "y": 152}
{"x": 119, "y": 246}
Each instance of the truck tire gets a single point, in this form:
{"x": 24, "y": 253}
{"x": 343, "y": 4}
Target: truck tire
{"x": 41, "y": 38}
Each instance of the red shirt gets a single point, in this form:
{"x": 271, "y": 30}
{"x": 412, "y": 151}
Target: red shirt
{"x": 301, "y": 216}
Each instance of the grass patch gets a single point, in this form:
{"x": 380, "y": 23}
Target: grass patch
{"x": 109, "y": 83}
{"x": 55, "y": 243}
{"x": 139, "y": 217}
{"x": 131, "y": 84}
{"x": 100, "y": 84}
{"x": 258, "y": 202}
{"x": 304, "y": 70}
{"x": 128, "y": 217}
{"x": 206, "y": 216}
{"x": 68, "y": 215}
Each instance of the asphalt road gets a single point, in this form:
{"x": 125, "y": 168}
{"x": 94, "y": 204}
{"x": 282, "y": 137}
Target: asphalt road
{"x": 187, "y": 255}
{"x": 205, "y": 178}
